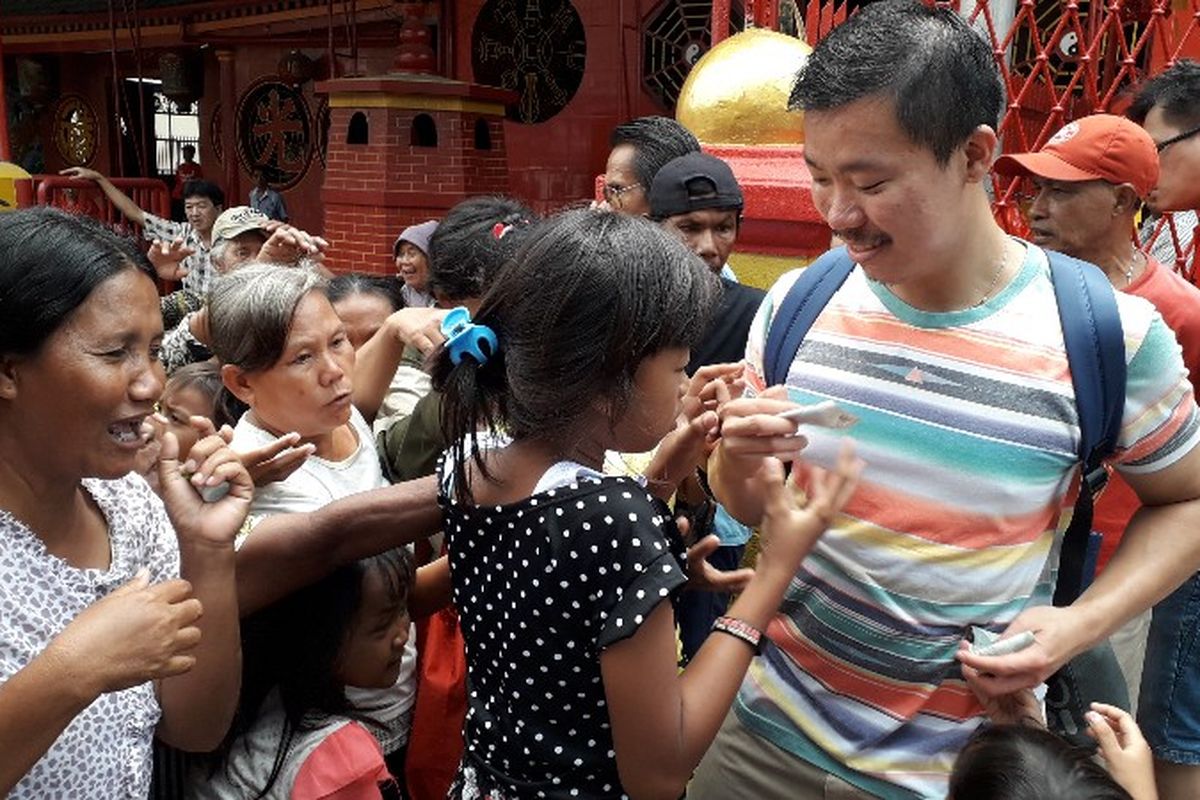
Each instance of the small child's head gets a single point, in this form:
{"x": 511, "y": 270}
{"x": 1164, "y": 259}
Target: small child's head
{"x": 1018, "y": 762}
{"x": 347, "y": 629}
{"x": 190, "y": 392}
{"x": 374, "y": 641}
{"x": 595, "y": 316}
{"x": 477, "y": 237}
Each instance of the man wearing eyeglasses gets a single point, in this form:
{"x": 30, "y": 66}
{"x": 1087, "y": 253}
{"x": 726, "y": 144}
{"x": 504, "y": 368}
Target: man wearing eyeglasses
{"x": 1168, "y": 107}
{"x": 640, "y": 148}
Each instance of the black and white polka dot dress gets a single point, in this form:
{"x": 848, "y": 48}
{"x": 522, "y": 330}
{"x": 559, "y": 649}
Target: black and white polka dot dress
{"x": 542, "y": 587}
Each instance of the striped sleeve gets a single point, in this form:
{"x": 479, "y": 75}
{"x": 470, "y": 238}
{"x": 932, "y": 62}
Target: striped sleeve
{"x": 1160, "y": 424}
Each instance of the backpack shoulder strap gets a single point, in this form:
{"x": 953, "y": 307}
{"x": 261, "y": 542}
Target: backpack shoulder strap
{"x": 800, "y": 309}
{"x": 1095, "y": 344}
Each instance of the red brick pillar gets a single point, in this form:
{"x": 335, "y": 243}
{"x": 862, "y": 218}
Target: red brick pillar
{"x": 403, "y": 149}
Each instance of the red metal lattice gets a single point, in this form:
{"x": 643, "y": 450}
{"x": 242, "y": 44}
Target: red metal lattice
{"x": 1059, "y": 60}
{"x": 83, "y": 197}
{"x": 1080, "y": 58}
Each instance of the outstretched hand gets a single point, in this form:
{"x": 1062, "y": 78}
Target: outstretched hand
{"x": 167, "y": 258}
{"x": 1125, "y": 751}
{"x": 789, "y": 530}
{"x": 81, "y": 173}
{"x": 704, "y": 577}
{"x": 714, "y": 385}
{"x": 419, "y": 327}
{"x": 287, "y": 245}
{"x": 210, "y": 463}
{"x": 276, "y": 460}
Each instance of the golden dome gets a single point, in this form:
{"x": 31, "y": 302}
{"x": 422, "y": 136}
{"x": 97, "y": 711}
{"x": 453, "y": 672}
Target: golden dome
{"x": 738, "y": 92}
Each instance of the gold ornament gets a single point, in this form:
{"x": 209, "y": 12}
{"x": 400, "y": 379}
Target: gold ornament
{"x": 738, "y": 92}
{"x": 75, "y": 130}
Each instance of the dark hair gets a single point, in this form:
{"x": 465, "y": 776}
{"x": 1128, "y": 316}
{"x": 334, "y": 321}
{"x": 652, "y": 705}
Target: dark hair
{"x": 203, "y": 188}
{"x": 204, "y": 377}
{"x": 585, "y": 300}
{"x": 1018, "y": 762}
{"x": 939, "y": 73}
{"x": 295, "y": 645}
{"x": 655, "y": 141}
{"x": 50, "y": 263}
{"x": 352, "y": 283}
{"x": 188, "y": 147}
{"x": 1176, "y": 90}
{"x": 465, "y": 253}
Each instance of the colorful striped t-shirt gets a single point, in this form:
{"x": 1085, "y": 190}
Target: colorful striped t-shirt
{"x": 969, "y": 432}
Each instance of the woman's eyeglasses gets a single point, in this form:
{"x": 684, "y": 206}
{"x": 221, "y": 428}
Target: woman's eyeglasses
{"x": 614, "y": 193}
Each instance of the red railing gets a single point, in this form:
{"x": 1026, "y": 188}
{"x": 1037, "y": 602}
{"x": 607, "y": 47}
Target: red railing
{"x": 85, "y": 197}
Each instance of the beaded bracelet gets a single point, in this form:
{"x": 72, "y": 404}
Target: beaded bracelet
{"x": 740, "y": 630}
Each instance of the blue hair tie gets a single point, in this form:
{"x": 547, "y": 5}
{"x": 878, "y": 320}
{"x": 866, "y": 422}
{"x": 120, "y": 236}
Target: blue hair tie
{"x": 465, "y": 338}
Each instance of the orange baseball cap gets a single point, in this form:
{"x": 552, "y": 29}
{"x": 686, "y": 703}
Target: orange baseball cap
{"x": 1098, "y": 147}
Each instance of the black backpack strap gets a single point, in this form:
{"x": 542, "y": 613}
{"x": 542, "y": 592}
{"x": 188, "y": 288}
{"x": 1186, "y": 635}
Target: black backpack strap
{"x": 1095, "y": 344}
{"x": 799, "y": 310}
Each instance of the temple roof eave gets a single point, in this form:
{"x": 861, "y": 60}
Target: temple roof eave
{"x": 167, "y": 23}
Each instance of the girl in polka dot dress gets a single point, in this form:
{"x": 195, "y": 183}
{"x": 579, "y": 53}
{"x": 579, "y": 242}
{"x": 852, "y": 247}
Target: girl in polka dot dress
{"x": 561, "y": 575}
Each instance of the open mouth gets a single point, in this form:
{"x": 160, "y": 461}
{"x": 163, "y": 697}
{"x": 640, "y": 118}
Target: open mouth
{"x": 129, "y": 432}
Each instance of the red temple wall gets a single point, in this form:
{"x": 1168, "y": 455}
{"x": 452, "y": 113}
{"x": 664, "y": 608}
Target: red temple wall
{"x": 555, "y": 162}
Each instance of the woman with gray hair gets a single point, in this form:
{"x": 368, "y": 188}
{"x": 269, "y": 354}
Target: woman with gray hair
{"x": 286, "y": 356}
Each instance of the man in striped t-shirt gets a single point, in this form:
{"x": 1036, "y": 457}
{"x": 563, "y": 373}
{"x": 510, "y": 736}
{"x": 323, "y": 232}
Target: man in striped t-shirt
{"x": 945, "y": 342}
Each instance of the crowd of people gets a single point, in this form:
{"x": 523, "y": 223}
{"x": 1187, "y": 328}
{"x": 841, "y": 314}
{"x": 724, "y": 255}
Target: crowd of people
{"x": 477, "y": 529}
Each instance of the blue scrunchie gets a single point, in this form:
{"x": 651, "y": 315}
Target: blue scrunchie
{"x": 465, "y": 338}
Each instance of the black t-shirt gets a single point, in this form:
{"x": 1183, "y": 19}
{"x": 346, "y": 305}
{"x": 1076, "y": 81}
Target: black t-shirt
{"x": 725, "y": 340}
{"x": 542, "y": 587}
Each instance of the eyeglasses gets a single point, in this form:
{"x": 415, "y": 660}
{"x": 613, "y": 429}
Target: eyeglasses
{"x": 1163, "y": 145}
{"x": 613, "y": 193}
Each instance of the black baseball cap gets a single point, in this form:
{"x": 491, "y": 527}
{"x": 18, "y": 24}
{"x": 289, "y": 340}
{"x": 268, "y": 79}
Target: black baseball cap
{"x": 693, "y": 182}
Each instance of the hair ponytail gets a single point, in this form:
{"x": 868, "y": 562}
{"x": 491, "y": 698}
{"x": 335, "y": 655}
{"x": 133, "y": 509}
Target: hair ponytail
{"x": 473, "y": 399}
{"x": 586, "y": 298}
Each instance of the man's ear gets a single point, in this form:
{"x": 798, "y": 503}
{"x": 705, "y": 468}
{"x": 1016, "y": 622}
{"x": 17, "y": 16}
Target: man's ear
{"x": 1125, "y": 199}
{"x": 980, "y": 151}
{"x": 8, "y": 378}
{"x": 235, "y": 381}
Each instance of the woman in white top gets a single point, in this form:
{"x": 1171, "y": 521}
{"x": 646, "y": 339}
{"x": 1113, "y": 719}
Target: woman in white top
{"x": 100, "y": 642}
{"x": 286, "y": 355}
